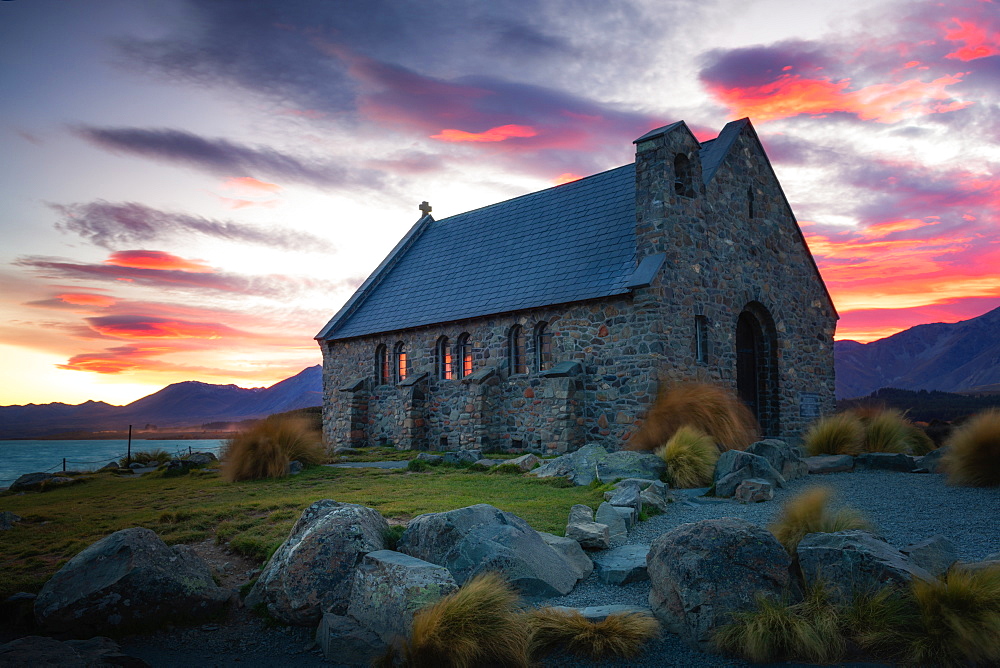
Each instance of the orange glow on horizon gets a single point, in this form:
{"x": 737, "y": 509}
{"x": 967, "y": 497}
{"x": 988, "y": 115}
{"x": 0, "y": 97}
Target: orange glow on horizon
{"x": 248, "y": 183}
{"x": 81, "y": 299}
{"x": 143, "y": 259}
{"x": 792, "y": 95}
{"x": 160, "y": 329}
{"x": 977, "y": 43}
{"x": 499, "y": 133}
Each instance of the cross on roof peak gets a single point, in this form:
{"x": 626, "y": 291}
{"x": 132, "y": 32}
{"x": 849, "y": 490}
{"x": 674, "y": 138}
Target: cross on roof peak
{"x": 425, "y": 207}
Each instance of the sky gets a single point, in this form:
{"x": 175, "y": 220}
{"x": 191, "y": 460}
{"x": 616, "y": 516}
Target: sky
{"x": 190, "y": 190}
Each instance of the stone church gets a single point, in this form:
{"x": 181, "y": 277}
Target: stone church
{"x": 548, "y": 321}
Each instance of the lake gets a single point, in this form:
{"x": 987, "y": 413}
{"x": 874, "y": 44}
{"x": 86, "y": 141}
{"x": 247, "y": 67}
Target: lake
{"x": 20, "y": 457}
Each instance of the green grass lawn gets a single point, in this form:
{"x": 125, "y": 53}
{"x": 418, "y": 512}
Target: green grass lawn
{"x": 252, "y": 517}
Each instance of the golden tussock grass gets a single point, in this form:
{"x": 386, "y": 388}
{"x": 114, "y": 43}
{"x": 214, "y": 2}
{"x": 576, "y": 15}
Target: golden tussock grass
{"x": 777, "y": 630}
{"x": 620, "y": 635}
{"x": 973, "y": 456}
{"x": 918, "y": 442}
{"x": 840, "y": 434}
{"x": 265, "y": 449}
{"x": 886, "y": 431}
{"x": 690, "y": 456}
{"x": 477, "y": 625}
{"x": 709, "y": 408}
{"x": 808, "y": 512}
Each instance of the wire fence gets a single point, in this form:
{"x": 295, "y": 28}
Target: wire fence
{"x": 64, "y": 465}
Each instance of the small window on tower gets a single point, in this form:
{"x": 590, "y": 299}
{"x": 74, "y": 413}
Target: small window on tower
{"x": 515, "y": 350}
{"x": 442, "y": 354}
{"x": 402, "y": 364}
{"x": 382, "y": 365}
{"x": 543, "y": 347}
{"x": 464, "y": 354}
{"x": 682, "y": 176}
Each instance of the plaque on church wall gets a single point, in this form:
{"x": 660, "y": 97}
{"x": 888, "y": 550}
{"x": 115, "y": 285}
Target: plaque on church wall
{"x": 808, "y": 405}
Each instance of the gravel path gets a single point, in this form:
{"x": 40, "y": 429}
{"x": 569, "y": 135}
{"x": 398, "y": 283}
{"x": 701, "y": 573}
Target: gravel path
{"x": 905, "y": 507}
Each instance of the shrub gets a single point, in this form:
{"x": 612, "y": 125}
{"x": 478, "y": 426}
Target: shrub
{"x": 619, "y": 635}
{"x": 886, "y": 431}
{"x": 778, "y": 630}
{"x": 973, "y": 456}
{"x": 918, "y": 442}
{"x": 478, "y": 624}
{"x": 690, "y": 456}
{"x": 709, "y": 408}
{"x": 158, "y": 455}
{"x": 840, "y": 434}
{"x": 265, "y": 449}
{"x": 807, "y": 513}
{"x": 960, "y": 619}
{"x": 392, "y": 535}
{"x": 418, "y": 466}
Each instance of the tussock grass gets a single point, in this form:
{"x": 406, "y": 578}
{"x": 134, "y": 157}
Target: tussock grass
{"x": 265, "y": 449}
{"x": 712, "y": 409}
{"x": 778, "y": 629}
{"x": 973, "y": 457}
{"x": 158, "y": 455}
{"x": 960, "y": 619}
{"x": 690, "y": 456}
{"x": 477, "y": 625}
{"x": 621, "y": 635}
{"x": 886, "y": 431}
{"x": 840, "y": 434}
{"x": 807, "y": 512}
{"x": 918, "y": 442}
{"x": 876, "y": 620}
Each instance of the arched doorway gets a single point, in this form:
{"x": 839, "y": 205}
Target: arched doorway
{"x": 757, "y": 366}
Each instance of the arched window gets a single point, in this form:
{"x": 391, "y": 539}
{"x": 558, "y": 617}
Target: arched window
{"x": 463, "y": 350}
{"x": 515, "y": 350}
{"x": 442, "y": 354}
{"x": 750, "y": 201}
{"x": 682, "y": 176}
{"x": 543, "y": 347}
{"x": 401, "y": 363}
{"x": 382, "y": 365}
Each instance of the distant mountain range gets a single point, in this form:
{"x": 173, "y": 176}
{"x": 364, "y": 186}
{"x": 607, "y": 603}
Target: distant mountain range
{"x": 178, "y": 406}
{"x": 950, "y": 357}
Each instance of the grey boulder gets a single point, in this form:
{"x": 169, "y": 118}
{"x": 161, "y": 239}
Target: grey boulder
{"x": 735, "y": 466}
{"x": 851, "y": 561}
{"x": 935, "y": 554}
{"x": 579, "y": 467}
{"x": 313, "y": 570}
{"x": 31, "y": 482}
{"x": 932, "y": 460}
{"x": 524, "y": 462}
{"x": 571, "y": 550}
{"x": 703, "y": 572}
{"x": 598, "y": 613}
{"x": 582, "y": 528}
{"x": 7, "y": 520}
{"x": 345, "y": 642}
{"x": 128, "y": 580}
{"x": 823, "y": 464}
{"x": 785, "y": 458}
{"x": 885, "y": 461}
{"x": 481, "y": 538}
{"x": 754, "y": 490}
{"x": 629, "y": 464}
{"x": 617, "y": 526}
{"x": 389, "y": 587}
{"x": 622, "y": 565}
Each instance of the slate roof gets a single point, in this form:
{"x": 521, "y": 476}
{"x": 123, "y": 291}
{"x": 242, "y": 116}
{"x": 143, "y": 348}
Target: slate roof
{"x": 568, "y": 243}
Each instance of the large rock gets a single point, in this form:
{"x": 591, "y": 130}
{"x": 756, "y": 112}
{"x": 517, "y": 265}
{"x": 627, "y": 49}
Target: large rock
{"x": 313, "y": 570}
{"x": 628, "y": 496}
{"x": 885, "y": 461}
{"x": 754, "y": 490}
{"x": 823, "y": 464}
{"x": 932, "y": 460}
{"x": 463, "y": 456}
{"x": 735, "y": 466}
{"x": 44, "y": 651}
{"x": 617, "y": 525}
{"x": 935, "y": 554}
{"x": 525, "y": 462}
{"x": 33, "y": 482}
{"x": 657, "y": 495}
{"x": 128, "y": 580}
{"x": 345, "y": 642}
{"x": 579, "y": 467}
{"x": 622, "y": 564}
{"x": 851, "y": 561}
{"x": 701, "y": 573}
{"x": 598, "y": 613}
{"x": 630, "y": 464}
{"x": 571, "y": 550}
{"x": 785, "y": 458}
{"x": 389, "y": 587}
{"x": 481, "y": 538}
{"x": 582, "y": 528}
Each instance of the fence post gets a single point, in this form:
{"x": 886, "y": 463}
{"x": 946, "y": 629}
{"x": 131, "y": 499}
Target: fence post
{"x": 64, "y": 465}
{"x": 128, "y": 456}
{"x": 189, "y": 451}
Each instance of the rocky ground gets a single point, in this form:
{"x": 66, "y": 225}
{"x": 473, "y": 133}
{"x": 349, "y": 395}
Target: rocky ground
{"x": 906, "y": 507}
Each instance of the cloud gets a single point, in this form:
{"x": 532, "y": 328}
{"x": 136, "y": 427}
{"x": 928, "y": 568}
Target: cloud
{"x": 147, "y": 259}
{"x": 110, "y": 225}
{"x": 977, "y": 41}
{"x": 220, "y": 156}
{"x": 273, "y": 286}
{"x": 151, "y": 327}
{"x": 251, "y": 186}
{"x": 86, "y": 299}
{"x": 500, "y": 133}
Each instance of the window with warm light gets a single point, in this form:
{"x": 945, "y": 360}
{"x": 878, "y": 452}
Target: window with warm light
{"x": 382, "y": 365}
{"x": 401, "y": 362}
{"x": 515, "y": 350}
{"x": 443, "y": 355}
{"x": 464, "y": 353}
{"x": 543, "y": 347}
